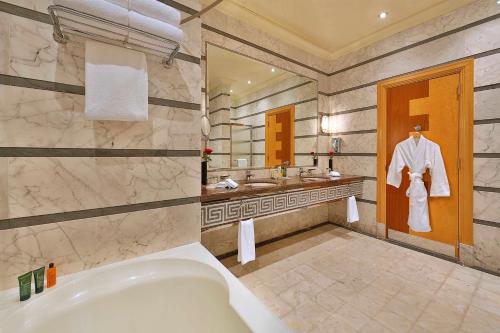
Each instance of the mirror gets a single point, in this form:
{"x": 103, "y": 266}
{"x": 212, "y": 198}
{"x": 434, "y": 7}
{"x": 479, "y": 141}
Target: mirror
{"x": 262, "y": 116}
{"x": 206, "y": 127}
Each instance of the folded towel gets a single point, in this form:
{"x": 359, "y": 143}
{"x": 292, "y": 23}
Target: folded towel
{"x": 352, "y": 210}
{"x": 152, "y": 8}
{"x": 334, "y": 174}
{"x": 116, "y": 87}
{"x": 99, "y": 8}
{"x": 153, "y": 26}
{"x": 231, "y": 183}
{"x": 246, "y": 241}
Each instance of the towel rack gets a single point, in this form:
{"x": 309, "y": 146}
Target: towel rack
{"x": 165, "y": 48}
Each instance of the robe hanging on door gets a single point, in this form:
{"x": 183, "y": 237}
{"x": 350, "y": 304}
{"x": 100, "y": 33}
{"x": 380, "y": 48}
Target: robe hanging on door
{"x": 418, "y": 157}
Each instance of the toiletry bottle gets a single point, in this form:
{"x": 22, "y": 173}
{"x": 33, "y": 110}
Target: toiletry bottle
{"x": 25, "y": 286}
{"x": 51, "y": 275}
{"x": 39, "y": 276}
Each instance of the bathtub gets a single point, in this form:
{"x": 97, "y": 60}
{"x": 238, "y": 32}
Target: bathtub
{"x": 184, "y": 289}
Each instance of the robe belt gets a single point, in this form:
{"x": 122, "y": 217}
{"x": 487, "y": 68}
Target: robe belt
{"x": 414, "y": 175}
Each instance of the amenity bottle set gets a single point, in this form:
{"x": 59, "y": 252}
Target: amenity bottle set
{"x": 39, "y": 277}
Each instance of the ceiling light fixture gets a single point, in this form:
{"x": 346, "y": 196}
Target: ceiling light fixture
{"x": 231, "y": 91}
{"x": 249, "y": 82}
{"x": 383, "y": 15}
{"x": 498, "y": 2}
{"x": 273, "y": 70}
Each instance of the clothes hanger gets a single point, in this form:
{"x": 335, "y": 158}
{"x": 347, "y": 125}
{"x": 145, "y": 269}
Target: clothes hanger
{"x": 417, "y": 134}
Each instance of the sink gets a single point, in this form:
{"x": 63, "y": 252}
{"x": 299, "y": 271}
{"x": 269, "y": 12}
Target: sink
{"x": 261, "y": 184}
{"x": 314, "y": 179}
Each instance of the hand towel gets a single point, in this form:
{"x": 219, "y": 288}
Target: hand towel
{"x": 352, "y": 210}
{"x": 116, "y": 83}
{"x": 153, "y": 26}
{"x": 99, "y": 8}
{"x": 152, "y": 8}
{"x": 246, "y": 241}
{"x": 334, "y": 174}
{"x": 231, "y": 183}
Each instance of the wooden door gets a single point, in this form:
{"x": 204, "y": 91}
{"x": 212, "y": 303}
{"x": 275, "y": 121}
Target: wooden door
{"x": 433, "y": 104}
{"x": 280, "y": 137}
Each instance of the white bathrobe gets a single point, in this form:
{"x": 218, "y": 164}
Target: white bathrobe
{"x": 418, "y": 157}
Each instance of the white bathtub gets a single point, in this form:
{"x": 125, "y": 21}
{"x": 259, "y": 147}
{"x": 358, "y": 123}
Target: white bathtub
{"x": 179, "y": 290}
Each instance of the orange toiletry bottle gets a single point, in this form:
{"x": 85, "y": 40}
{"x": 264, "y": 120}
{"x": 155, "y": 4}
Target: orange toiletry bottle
{"x": 51, "y": 275}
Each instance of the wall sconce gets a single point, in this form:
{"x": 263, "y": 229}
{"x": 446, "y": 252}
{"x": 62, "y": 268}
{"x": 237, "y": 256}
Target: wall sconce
{"x": 325, "y": 124}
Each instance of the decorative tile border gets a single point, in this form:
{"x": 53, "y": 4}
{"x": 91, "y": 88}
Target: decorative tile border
{"x": 213, "y": 214}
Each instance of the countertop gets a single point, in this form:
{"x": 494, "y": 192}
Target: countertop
{"x": 282, "y": 185}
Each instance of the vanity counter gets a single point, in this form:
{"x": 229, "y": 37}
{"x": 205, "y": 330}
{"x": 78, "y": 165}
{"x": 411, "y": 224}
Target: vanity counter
{"x": 282, "y": 185}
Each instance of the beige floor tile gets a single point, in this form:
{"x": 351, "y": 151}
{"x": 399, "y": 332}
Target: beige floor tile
{"x": 334, "y": 324}
{"x": 487, "y": 300}
{"x": 389, "y": 282}
{"x": 300, "y": 293}
{"x": 297, "y": 323}
{"x": 283, "y": 282}
{"x": 365, "y": 305}
{"x": 327, "y": 299}
{"x": 375, "y": 327}
{"x": 312, "y": 275}
{"x": 478, "y": 320}
{"x": 394, "y": 322}
{"x": 355, "y": 318}
{"x": 440, "y": 318}
{"x": 402, "y": 308}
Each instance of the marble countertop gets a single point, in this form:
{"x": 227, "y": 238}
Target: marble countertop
{"x": 246, "y": 189}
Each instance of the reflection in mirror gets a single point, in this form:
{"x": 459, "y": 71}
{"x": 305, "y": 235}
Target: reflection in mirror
{"x": 205, "y": 127}
{"x": 261, "y": 116}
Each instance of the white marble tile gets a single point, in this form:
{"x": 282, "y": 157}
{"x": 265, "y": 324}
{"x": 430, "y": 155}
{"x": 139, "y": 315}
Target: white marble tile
{"x": 51, "y": 185}
{"x": 355, "y": 121}
{"x": 359, "y": 143}
{"x": 369, "y": 190}
{"x": 487, "y": 138}
{"x": 487, "y": 172}
{"x": 486, "y": 244}
{"x": 306, "y": 127}
{"x": 356, "y": 165}
{"x": 487, "y": 206}
{"x": 487, "y": 104}
{"x": 86, "y": 243}
{"x": 42, "y": 118}
{"x": 487, "y": 70}
{"x": 355, "y": 99}
{"x": 309, "y": 109}
{"x": 305, "y": 145}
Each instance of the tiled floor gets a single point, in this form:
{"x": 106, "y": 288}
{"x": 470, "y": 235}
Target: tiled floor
{"x": 334, "y": 280}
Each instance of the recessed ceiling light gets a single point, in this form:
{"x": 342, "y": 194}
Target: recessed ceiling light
{"x": 273, "y": 70}
{"x": 231, "y": 90}
{"x": 249, "y": 82}
{"x": 498, "y": 2}
{"x": 383, "y": 15}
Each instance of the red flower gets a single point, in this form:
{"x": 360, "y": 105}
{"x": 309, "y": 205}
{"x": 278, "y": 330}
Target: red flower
{"x": 312, "y": 153}
{"x": 330, "y": 153}
{"x": 208, "y": 150}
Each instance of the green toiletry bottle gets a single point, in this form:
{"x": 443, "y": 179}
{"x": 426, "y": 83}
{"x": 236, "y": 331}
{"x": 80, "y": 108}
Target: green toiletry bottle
{"x": 25, "y": 286}
{"x": 39, "y": 275}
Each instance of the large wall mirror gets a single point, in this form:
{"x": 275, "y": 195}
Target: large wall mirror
{"x": 261, "y": 116}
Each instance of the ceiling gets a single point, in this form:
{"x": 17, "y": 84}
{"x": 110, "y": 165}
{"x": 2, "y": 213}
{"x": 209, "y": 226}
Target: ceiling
{"x": 232, "y": 69}
{"x": 332, "y": 28}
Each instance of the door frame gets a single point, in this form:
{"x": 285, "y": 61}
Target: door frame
{"x": 291, "y": 110}
{"x": 465, "y": 70}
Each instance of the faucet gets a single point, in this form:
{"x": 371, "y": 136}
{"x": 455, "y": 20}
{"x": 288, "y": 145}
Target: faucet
{"x": 301, "y": 172}
{"x": 248, "y": 174}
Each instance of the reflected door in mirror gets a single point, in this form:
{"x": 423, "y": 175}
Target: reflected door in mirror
{"x": 280, "y": 139}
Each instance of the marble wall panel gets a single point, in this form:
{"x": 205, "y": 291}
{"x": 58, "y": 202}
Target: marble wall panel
{"x": 306, "y": 145}
{"x": 487, "y": 104}
{"x": 487, "y": 138}
{"x": 354, "y": 99}
{"x": 487, "y": 206}
{"x": 86, "y": 243}
{"x": 45, "y": 185}
{"x": 355, "y": 121}
{"x": 369, "y": 190}
{"x": 356, "y": 165}
{"x": 486, "y": 244}
{"x": 367, "y": 216}
{"x": 359, "y": 143}
{"x": 306, "y": 127}
{"x": 487, "y": 70}
{"x": 487, "y": 172}
{"x": 304, "y": 110}
{"x": 42, "y": 118}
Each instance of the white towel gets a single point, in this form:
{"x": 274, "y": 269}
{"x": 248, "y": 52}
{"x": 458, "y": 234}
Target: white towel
{"x": 246, "y": 241}
{"x": 334, "y": 174}
{"x": 153, "y": 26}
{"x": 116, "y": 83}
{"x": 99, "y": 8}
{"x": 152, "y": 8}
{"x": 352, "y": 210}
{"x": 241, "y": 162}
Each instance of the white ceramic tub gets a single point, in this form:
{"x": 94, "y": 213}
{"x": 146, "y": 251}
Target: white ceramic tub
{"x": 179, "y": 290}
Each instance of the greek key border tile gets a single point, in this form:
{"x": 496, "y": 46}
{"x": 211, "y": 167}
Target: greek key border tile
{"x": 213, "y": 214}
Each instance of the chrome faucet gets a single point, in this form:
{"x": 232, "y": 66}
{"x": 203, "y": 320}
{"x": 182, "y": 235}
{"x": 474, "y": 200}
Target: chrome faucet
{"x": 301, "y": 172}
{"x": 248, "y": 174}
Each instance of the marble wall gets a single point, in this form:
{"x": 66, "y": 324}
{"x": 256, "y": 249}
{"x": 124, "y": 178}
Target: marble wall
{"x": 83, "y": 193}
{"x": 470, "y": 31}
